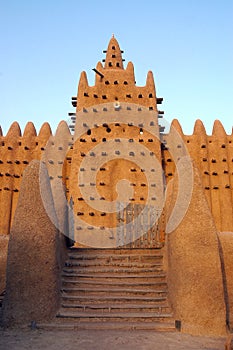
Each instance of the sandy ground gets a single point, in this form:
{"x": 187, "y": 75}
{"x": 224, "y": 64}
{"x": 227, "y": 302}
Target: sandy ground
{"x": 103, "y": 340}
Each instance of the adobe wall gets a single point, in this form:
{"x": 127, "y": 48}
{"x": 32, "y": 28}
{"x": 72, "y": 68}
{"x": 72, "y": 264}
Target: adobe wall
{"x": 16, "y": 152}
{"x": 54, "y": 157}
{"x": 33, "y": 264}
{"x": 213, "y": 155}
{"x": 4, "y": 239}
{"x": 107, "y": 147}
{"x": 194, "y": 267}
{"x": 226, "y": 249}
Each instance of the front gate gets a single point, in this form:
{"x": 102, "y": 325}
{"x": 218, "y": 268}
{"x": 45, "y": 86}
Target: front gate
{"x": 139, "y": 226}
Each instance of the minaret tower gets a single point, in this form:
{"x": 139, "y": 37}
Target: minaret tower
{"x": 113, "y": 82}
{"x": 115, "y": 125}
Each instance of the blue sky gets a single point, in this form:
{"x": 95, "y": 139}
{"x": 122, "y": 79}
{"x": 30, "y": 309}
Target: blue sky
{"x": 188, "y": 45}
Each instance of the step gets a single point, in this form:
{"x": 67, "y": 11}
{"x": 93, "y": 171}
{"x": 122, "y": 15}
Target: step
{"x": 88, "y": 264}
{"x": 99, "y": 299}
{"x": 108, "y": 326}
{"x": 115, "y": 252}
{"x": 117, "y": 316}
{"x": 113, "y": 291}
{"x": 109, "y": 308}
{"x": 108, "y": 270}
{"x": 121, "y": 278}
{"x": 105, "y": 283}
{"x": 116, "y": 258}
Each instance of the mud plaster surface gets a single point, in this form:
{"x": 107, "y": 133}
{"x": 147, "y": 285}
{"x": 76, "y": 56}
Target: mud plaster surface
{"x": 94, "y": 340}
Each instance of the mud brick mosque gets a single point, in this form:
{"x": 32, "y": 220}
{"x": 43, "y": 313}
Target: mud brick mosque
{"x": 114, "y": 222}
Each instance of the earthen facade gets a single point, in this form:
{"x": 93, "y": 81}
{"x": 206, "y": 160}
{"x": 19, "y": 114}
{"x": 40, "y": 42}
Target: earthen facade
{"x": 115, "y": 108}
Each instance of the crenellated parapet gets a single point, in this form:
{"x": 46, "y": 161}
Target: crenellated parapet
{"x": 16, "y": 152}
{"x": 213, "y": 155}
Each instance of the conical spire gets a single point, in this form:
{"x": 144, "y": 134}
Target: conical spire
{"x": 113, "y": 55}
{"x": 218, "y": 129}
{"x": 62, "y": 130}
{"x": 83, "y": 82}
{"x": 150, "y": 80}
{"x": 45, "y": 131}
{"x": 199, "y": 128}
{"x": 14, "y": 131}
{"x": 29, "y": 130}
{"x": 176, "y": 125}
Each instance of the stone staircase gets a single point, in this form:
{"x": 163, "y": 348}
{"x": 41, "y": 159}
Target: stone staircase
{"x": 114, "y": 289}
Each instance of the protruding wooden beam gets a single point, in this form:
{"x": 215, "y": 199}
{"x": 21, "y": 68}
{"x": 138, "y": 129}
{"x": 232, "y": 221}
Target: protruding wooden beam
{"x": 97, "y": 72}
{"x": 159, "y": 100}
